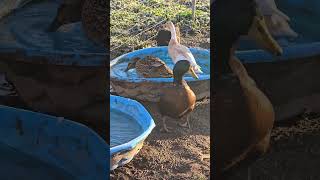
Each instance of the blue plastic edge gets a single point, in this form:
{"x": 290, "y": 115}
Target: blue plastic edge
{"x": 97, "y": 140}
{"x": 298, "y": 51}
{"x": 59, "y": 57}
{"x": 145, "y": 115}
{"x": 158, "y": 80}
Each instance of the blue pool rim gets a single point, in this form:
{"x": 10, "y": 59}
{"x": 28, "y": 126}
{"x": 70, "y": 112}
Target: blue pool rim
{"x": 144, "y": 115}
{"x": 156, "y": 80}
{"x": 298, "y": 51}
{"x": 55, "y": 57}
{"x": 35, "y": 119}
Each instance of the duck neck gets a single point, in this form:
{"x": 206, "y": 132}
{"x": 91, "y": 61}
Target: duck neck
{"x": 178, "y": 80}
{"x": 173, "y": 33}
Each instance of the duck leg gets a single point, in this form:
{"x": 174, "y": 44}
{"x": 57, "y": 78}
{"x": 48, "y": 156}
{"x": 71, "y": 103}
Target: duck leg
{"x": 186, "y": 123}
{"x": 165, "y": 128}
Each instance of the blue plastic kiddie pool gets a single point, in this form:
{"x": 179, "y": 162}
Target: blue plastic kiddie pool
{"x": 129, "y": 84}
{"x": 130, "y": 125}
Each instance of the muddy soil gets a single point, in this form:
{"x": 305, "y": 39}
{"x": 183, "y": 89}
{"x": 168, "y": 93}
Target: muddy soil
{"x": 174, "y": 155}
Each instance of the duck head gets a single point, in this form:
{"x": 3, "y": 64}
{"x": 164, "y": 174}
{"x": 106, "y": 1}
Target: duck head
{"x": 132, "y": 64}
{"x": 170, "y": 26}
{"x": 180, "y": 69}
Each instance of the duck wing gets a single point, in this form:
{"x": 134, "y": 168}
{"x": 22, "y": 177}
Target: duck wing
{"x": 152, "y": 67}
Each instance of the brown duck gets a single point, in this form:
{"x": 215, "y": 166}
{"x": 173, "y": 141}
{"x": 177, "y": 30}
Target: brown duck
{"x": 242, "y": 115}
{"x": 177, "y": 100}
{"x": 92, "y": 14}
{"x": 150, "y": 67}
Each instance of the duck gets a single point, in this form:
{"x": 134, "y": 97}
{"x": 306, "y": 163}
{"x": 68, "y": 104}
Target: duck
{"x": 178, "y": 51}
{"x": 150, "y": 67}
{"x": 243, "y": 116}
{"x": 276, "y": 21}
{"x": 177, "y": 100}
{"x": 91, "y": 13}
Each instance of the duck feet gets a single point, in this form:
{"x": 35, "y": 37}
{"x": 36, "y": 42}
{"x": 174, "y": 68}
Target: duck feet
{"x": 165, "y": 128}
{"x": 185, "y": 124}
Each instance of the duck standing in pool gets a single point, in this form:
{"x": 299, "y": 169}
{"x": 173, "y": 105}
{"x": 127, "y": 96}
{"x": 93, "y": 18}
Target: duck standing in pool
{"x": 178, "y": 51}
{"x": 178, "y": 100}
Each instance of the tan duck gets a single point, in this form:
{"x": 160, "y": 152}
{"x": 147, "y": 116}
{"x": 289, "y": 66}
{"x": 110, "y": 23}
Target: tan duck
{"x": 150, "y": 67}
{"x": 178, "y": 51}
{"x": 244, "y": 118}
{"x": 177, "y": 100}
{"x": 92, "y": 14}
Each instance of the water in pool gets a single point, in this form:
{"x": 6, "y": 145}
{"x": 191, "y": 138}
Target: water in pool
{"x": 123, "y": 128}
{"x": 203, "y": 60}
{"x": 17, "y": 165}
{"x": 305, "y": 21}
{"x": 26, "y": 28}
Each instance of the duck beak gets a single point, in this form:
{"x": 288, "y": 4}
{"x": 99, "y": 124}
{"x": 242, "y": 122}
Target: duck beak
{"x": 193, "y": 74}
{"x": 260, "y": 33}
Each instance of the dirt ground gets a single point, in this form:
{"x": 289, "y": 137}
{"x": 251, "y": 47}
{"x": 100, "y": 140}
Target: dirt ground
{"x": 294, "y": 154}
{"x": 175, "y": 155}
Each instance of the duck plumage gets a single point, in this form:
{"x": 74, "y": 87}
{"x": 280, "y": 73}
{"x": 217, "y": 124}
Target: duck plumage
{"x": 150, "y": 67}
{"x": 179, "y": 52}
{"x": 242, "y": 115}
{"x": 243, "y": 120}
{"x": 177, "y": 100}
